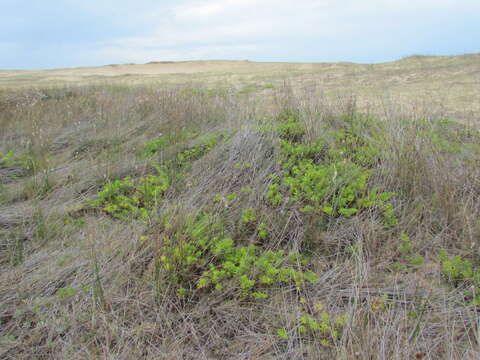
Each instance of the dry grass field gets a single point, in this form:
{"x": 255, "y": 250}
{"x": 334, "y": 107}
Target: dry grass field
{"x": 241, "y": 210}
{"x": 450, "y": 83}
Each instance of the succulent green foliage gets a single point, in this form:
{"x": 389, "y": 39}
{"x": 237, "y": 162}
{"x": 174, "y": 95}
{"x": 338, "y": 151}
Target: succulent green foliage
{"x": 153, "y": 146}
{"x": 335, "y": 187}
{"x": 129, "y": 198}
{"x": 231, "y": 197}
{"x": 196, "y": 151}
{"x": 202, "y": 256}
{"x": 164, "y": 142}
{"x": 322, "y": 326}
{"x": 274, "y": 196}
{"x": 249, "y": 216}
{"x": 291, "y": 129}
{"x": 330, "y": 174}
{"x": 352, "y": 146}
{"x": 459, "y": 271}
{"x": 132, "y": 198}
{"x": 282, "y": 334}
{"x": 293, "y": 153}
{"x": 262, "y": 231}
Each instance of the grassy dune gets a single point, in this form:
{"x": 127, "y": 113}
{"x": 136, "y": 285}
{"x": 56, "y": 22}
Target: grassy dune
{"x": 219, "y": 210}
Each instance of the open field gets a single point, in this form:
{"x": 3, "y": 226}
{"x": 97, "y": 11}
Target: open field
{"x": 240, "y": 210}
{"x": 450, "y": 83}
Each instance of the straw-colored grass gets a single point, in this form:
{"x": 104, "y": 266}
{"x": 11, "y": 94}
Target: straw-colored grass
{"x": 77, "y": 281}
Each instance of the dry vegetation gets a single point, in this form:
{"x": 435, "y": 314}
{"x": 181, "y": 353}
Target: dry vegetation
{"x": 293, "y": 218}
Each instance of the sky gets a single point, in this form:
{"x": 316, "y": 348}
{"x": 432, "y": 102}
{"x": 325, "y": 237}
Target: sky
{"x": 45, "y": 34}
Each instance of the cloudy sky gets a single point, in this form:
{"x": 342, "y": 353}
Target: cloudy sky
{"x": 38, "y": 34}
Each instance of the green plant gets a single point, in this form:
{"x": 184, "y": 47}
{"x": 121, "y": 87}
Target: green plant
{"x": 129, "y": 198}
{"x": 282, "y": 334}
{"x": 246, "y": 90}
{"x": 231, "y": 197}
{"x": 379, "y": 303}
{"x": 246, "y": 190}
{"x": 459, "y": 271}
{"x": 195, "y": 152}
{"x": 329, "y": 177}
{"x": 322, "y": 326}
{"x": 202, "y": 256}
{"x": 408, "y": 260}
{"x": 248, "y": 216}
{"x": 153, "y": 146}
{"x": 132, "y": 198}
{"x": 456, "y": 269}
{"x": 406, "y": 243}
{"x": 291, "y": 128}
{"x": 262, "y": 231}
{"x": 350, "y": 144}
{"x": 64, "y": 292}
{"x": 274, "y": 196}
{"x": 416, "y": 260}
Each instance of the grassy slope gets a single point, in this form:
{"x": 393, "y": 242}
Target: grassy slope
{"x": 86, "y": 280}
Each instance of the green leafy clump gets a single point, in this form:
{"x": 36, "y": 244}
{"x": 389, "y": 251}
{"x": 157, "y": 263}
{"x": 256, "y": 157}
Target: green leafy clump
{"x": 292, "y": 153}
{"x": 459, "y": 271}
{"x": 406, "y": 243}
{"x": 330, "y": 176}
{"x": 282, "y": 334}
{"x": 291, "y": 128}
{"x": 322, "y": 326}
{"x": 153, "y": 146}
{"x": 274, "y": 196}
{"x": 350, "y": 145}
{"x": 202, "y": 256}
{"x": 196, "y": 151}
{"x": 231, "y": 197}
{"x": 129, "y": 198}
{"x": 132, "y": 198}
{"x": 410, "y": 261}
{"x": 249, "y": 216}
{"x": 62, "y": 293}
{"x": 262, "y": 231}
{"x": 164, "y": 142}
{"x": 333, "y": 188}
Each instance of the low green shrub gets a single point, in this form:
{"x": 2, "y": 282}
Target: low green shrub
{"x": 321, "y": 326}
{"x": 291, "y": 128}
{"x": 132, "y": 198}
{"x": 461, "y": 272}
{"x": 330, "y": 174}
{"x": 249, "y": 216}
{"x": 274, "y": 196}
{"x": 195, "y": 152}
{"x": 129, "y": 198}
{"x": 202, "y": 256}
{"x": 153, "y": 146}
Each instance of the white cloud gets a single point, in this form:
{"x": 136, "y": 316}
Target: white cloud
{"x": 203, "y": 23}
{"x": 142, "y": 55}
{"x": 259, "y": 29}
